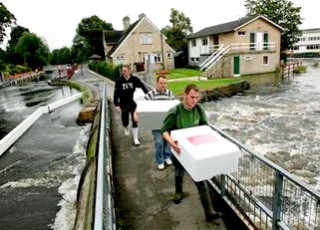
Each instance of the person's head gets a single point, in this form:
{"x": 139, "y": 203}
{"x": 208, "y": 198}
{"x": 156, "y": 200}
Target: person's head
{"x": 161, "y": 83}
{"x": 126, "y": 71}
{"x": 191, "y": 96}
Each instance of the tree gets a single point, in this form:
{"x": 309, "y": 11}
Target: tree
{"x": 90, "y": 30}
{"x": 34, "y": 51}
{"x": 281, "y": 12}
{"x": 61, "y": 56}
{"x": 7, "y": 19}
{"x": 15, "y": 34}
{"x": 179, "y": 30}
{"x": 79, "y": 49}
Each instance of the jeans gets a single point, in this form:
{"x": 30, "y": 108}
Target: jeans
{"x": 162, "y": 147}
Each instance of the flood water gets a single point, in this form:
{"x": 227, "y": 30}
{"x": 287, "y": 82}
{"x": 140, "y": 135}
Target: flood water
{"x": 39, "y": 174}
{"x": 279, "y": 120}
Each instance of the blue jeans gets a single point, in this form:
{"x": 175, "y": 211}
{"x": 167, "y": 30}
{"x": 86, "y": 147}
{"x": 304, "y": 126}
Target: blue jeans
{"x": 162, "y": 147}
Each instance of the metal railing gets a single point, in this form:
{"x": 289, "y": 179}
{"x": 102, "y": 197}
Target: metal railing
{"x": 267, "y": 196}
{"x": 263, "y": 194}
{"x": 104, "y": 203}
{"x": 238, "y": 47}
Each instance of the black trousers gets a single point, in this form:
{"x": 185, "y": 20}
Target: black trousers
{"x": 125, "y": 112}
{"x": 202, "y": 187}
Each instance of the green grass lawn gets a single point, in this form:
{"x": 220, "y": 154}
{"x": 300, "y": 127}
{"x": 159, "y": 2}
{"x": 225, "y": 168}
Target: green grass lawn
{"x": 183, "y": 73}
{"x": 177, "y": 87}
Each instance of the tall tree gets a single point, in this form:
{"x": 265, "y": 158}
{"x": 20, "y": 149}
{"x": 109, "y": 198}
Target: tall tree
{"x": 34, "y": 51}
{"x": 281, "y": 12}
{"x": 16, "y": 33}
{"x": 61, "y": 56}
{"x": 79, "y": 49}
{"x": 7, "y": 19}
{"x": 90, "y": 29}
{"x": 178, "y": 31}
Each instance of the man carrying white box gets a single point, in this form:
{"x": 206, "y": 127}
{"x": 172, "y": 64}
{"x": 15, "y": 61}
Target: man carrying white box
{"x": 185, "y": 115}
{"x": 160, "y": 93}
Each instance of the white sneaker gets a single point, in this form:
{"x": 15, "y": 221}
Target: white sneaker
{"x": 127, "y": 130}
{"x": 161, "y": 166}
{"x": 168, "y": 161}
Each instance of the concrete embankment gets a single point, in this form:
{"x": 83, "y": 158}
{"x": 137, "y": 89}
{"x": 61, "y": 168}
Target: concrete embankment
{"x": 224, "y": 91}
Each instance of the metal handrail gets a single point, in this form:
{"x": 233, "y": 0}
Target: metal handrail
{"x": 286, "y": 202}
{"x": 104, "y": 204}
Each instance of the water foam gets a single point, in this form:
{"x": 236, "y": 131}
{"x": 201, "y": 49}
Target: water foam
{"x": 65, "y": 218}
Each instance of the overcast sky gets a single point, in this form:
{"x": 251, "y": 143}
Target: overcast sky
{"x": 56, "y": 20}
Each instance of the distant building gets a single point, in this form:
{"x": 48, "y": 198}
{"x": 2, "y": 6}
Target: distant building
{"x": 137, "y": 43}
{"x": 250, "y": 45}
{"x": 308, "y": 43}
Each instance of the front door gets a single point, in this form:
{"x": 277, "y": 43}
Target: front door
{"x": 236, "y": 66}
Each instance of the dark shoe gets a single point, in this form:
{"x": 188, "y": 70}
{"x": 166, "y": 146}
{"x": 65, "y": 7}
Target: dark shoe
{"x": 212, "y": 217}
{"x": 177, "y": 197}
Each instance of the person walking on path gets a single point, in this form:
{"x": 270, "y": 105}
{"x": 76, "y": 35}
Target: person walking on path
{"x": 184, "y": 115}
{"x": 163, "y": 153}
{"x": 123, "y": 100}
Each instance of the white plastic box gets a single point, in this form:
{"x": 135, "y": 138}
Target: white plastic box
{"x": 205, "y": 153}
{"x": 152, "y": 113}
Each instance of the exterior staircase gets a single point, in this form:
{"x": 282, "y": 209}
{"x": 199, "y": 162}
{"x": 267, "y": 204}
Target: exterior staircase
{"x": 214, "y": 58}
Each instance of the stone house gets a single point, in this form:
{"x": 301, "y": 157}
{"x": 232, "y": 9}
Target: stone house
{"x": 250, "y": 45}
{"x": 137, "y": 44}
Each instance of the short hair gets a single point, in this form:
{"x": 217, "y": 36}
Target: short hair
{"x": 191, "y": 87}
{"x": 126, "y": 66}
{"x": 161, "y": 76}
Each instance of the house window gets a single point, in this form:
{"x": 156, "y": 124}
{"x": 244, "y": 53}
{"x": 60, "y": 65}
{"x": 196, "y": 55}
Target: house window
{"x": 204, "y": 41}
{"x": 169, "y": 55}
{"x": 193, "y": 42}
{"x": 120, "y": 58}
{"x": 145, "y": 38}
{"x": 157, "y": 58}
{"x": 265, "y": 60}
{"x": 265, "y": 41}
{"x": 241, "y": 33}
{"x": 252, "y": 41}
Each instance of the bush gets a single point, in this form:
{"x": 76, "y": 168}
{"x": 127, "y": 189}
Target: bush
{"x": 105, "y": 69}
{"x": 300, "y": 69}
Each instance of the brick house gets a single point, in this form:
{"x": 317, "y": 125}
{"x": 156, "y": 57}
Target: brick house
{"x": 250, "y": 45}
{"x": 136, "y": 44}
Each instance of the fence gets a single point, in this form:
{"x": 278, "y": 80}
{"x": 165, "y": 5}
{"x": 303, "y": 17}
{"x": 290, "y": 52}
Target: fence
{"x": 287, "y": 70}
{"x": 266, "y": 196}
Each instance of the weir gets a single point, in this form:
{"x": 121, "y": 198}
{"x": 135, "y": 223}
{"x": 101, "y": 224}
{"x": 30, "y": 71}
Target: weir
{"x": 18, "y": 131}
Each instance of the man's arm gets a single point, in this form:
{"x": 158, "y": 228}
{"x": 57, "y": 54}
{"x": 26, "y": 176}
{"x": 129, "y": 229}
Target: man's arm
{"x": 172, "y": 143}
{"x": 141, "y": 85}
{"x": 116, "y": 98}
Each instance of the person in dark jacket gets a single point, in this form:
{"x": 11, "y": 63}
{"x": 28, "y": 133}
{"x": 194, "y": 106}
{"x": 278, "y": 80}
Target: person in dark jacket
{"x": 124, "y": 101}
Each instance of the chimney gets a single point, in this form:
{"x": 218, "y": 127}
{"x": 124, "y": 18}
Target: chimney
{"x": 126, "y": 23}
{"x": 142, "y": 15}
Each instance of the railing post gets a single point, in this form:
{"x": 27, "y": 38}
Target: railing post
{"x": 223, "y": 185}
{"x": 277, "y": 196}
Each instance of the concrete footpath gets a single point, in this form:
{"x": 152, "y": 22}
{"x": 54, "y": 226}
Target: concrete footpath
{"x": 143, "y": 193}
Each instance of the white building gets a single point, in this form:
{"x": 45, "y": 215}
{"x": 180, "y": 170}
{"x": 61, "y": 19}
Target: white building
{"x": 309, "y": 42}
